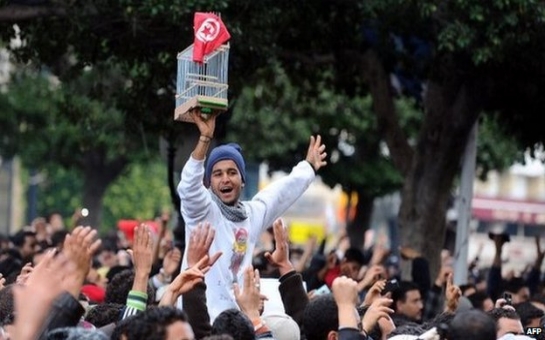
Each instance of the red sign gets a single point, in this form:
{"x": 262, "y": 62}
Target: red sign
{"x": 491, "y": 209}
{"x": 127, "y": 227}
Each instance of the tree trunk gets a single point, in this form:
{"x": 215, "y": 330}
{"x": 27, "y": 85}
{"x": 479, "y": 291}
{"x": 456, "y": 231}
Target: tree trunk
{"x": 93, "y": 192}
{"x": 450, "y": 115}
{"x": 358, "y": 226}
{"x": 98, "y": 174}
{"x": 429, "y": 169}
{"x": 179, "y": 230}
{"x": 172, "y": 184}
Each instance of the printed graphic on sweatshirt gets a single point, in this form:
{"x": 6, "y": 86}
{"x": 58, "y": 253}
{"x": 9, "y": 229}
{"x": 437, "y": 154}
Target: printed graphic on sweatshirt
{"x": 239, "y": 250}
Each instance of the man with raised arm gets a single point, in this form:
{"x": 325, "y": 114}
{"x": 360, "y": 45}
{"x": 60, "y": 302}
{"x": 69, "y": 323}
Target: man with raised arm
{"x": 210, "y": 192}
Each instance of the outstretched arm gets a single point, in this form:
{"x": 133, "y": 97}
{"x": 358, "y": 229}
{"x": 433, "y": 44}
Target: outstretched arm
{"x": 494, "y": 279}
{"x": 534, "y": 276}
{"x": 206, "y": 125}
{"x": 280, "y": 195}
{"x": 193, "y": 194}
{"x": 292, "y": 291}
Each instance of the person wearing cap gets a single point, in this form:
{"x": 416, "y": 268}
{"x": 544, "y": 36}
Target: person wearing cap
{"x": 210, "y": 192}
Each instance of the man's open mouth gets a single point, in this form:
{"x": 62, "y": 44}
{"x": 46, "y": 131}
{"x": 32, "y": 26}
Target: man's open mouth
{"x": 226, "y": 190}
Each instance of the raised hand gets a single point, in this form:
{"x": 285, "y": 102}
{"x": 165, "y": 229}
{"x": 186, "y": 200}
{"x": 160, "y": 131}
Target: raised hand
{"x": 200, "y": 240}
{"x": 374, "y": 293}
{"x": 380, "y": 252}
{"x": 386, "y": 325}
{"x": 280, "y": 258}
{"x": 345, "y": 292}
{"x": 378, "y": 309}
{"x": 452, "y": 294}
{"x": 316, "y": 154}
{"x": 372, "y": 274}
{"x": 443, "y": 275}
{"x": 502, "y": 303}
{"x": 205, "y": 123}
{"x": 310, "y": 245}
{"x": 249, "y": 299}
{"x": 142, "y": 257}
{"x": 185, "y": 281}
{"x": 79, "y": 246}
{"x": 33, "y": 301}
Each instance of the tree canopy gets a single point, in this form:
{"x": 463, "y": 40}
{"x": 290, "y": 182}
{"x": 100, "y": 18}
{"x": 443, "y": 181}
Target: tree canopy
{"x": 139, "y": 193}
{"x": 305, "y": 66}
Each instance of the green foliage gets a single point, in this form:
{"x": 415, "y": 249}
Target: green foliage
{"x": 142, "y": 38}
{"x": 59, "y": 192}
{"x": 496, "y": 149}
{"x": 491, "y": 29}
{"x": 295, "y": 69}
{"x": 26, "y": 108}
{"x": 45, "y": 121}
{"x": 139, "y": 39}
{"x": 484, "y": 31}
{"x": 273, "y": 121}
{"x": 272, "y": 106}
{"x": 139, "y": 193}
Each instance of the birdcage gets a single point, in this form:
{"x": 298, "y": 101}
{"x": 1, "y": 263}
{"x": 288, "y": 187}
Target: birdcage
{"x": 201, "y": 85}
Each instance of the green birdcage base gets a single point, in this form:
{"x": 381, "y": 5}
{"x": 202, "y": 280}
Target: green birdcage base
{"x": 207, "y": 105}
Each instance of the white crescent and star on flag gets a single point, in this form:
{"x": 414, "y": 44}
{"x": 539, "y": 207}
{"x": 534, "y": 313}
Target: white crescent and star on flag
{"x": 208, "y": 31}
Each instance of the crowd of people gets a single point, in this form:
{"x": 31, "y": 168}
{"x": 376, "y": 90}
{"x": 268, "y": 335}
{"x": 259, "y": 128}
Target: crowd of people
{"x": 69, "y": 283}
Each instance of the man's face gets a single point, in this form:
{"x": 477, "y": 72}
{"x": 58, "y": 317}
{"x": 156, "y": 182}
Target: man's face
{"x": 226, "y": 181}
{"x": 350, "y": 269}
{"x": 108, "y": 258}
{"x": 95, "y": 278}
{"x": 506, "y": 325}
{"x": 180, "y": 330}
{"x": 29, "y": 247}
{"x": 412, "y": 306}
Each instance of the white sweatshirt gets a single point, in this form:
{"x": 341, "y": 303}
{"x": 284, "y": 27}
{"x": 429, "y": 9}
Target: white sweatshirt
{"x": 264, "y": 208}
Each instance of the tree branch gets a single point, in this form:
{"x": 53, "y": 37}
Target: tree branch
{"x": 379, "y": 83}
{"x": 383, "y": 104}
{"x": 14, "y": 13}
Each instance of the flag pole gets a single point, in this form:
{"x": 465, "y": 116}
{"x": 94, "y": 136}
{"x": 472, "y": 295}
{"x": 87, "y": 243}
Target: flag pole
{"x": 464, "y": 208}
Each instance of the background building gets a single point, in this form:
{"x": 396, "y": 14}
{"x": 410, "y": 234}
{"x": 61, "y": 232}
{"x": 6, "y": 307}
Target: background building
{"x": 511, "y": 202}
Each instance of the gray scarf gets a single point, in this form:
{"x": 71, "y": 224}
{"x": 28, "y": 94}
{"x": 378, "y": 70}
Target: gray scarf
{"x": 234, "y": 213}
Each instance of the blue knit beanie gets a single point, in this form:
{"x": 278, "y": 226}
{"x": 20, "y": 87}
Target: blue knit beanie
{"x": 231, "y": 151}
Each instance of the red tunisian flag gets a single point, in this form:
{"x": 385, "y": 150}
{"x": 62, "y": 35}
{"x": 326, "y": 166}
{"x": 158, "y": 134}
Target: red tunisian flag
{"x": 210, "y": 33}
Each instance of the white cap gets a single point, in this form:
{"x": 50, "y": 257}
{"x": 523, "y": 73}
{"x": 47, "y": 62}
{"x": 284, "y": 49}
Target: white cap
{"x": 282, "y": 326}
